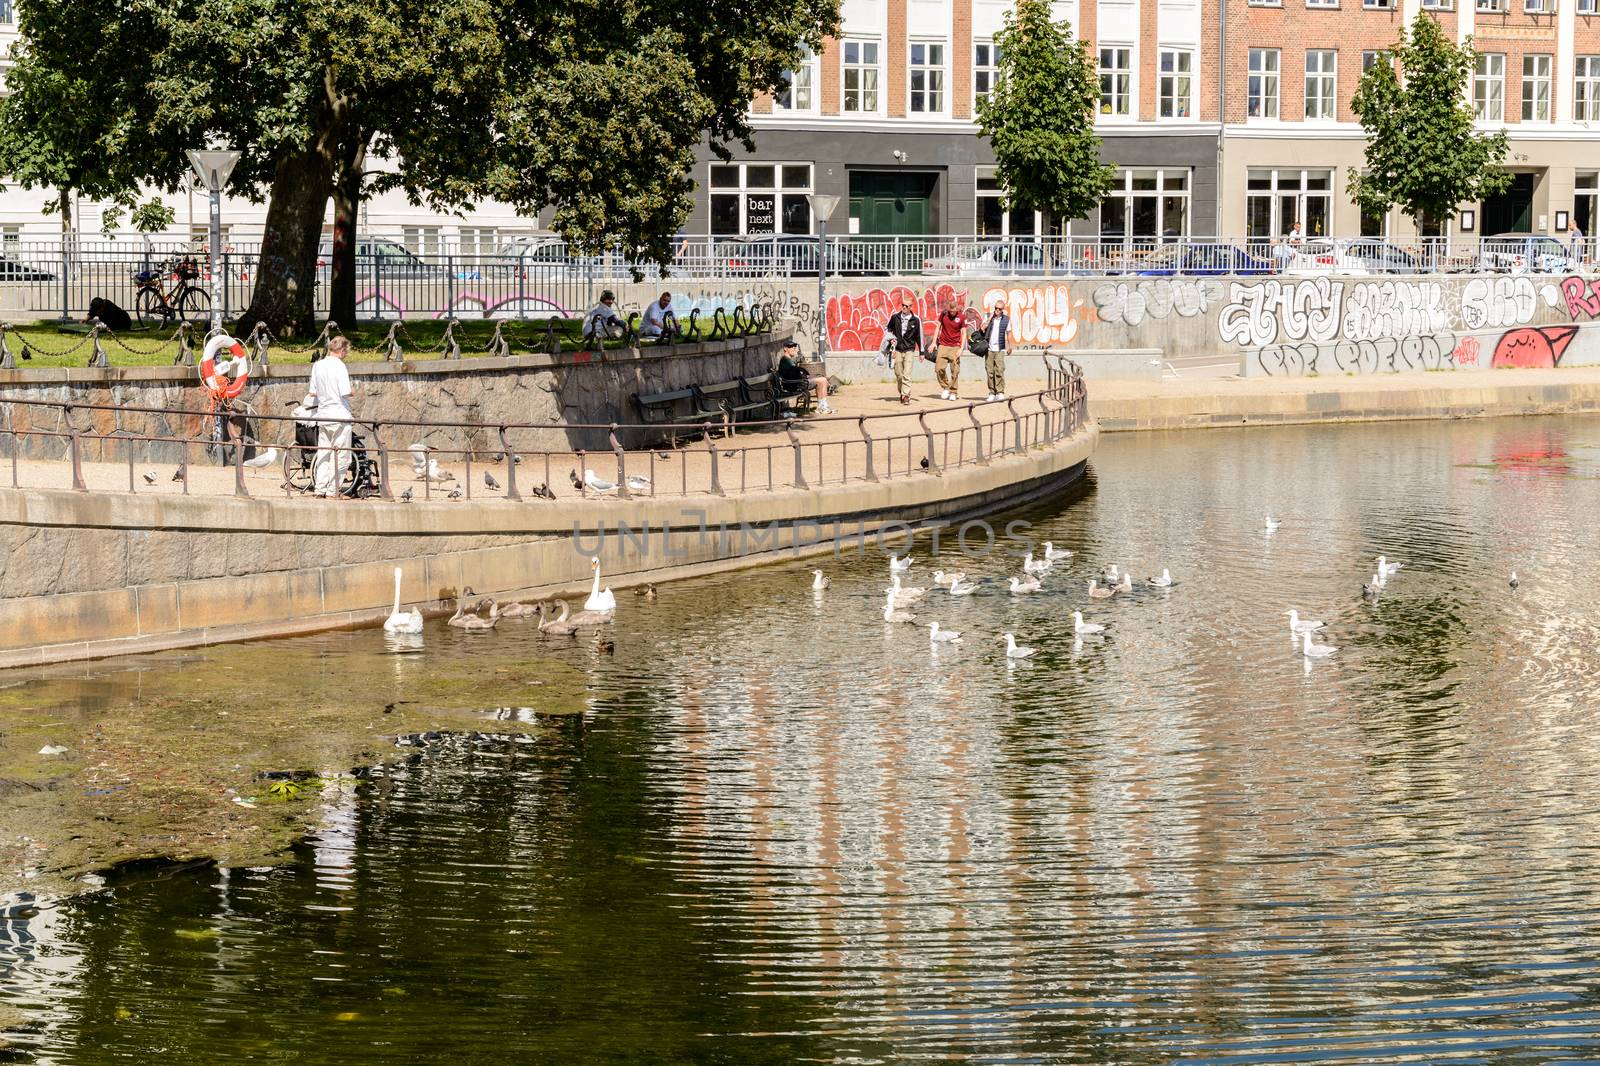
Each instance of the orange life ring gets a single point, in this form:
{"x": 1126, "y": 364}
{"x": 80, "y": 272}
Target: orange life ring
{"x": 229, "y": 381}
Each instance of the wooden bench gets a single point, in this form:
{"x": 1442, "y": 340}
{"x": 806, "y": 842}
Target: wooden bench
{"x": 657, "y": 408}
{"x": 791, "y": 395}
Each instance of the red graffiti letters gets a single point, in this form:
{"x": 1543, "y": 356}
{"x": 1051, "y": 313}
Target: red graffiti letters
{"x": 1533, "y": 346}
{"x": 856, "y": 320}
{"x": 1583, "y": 296}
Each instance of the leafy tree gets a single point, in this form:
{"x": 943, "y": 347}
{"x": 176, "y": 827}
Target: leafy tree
{"x": 1040, "y": 116}
{"x": 1423, "y": 151}
{"x": 591, "y": 112}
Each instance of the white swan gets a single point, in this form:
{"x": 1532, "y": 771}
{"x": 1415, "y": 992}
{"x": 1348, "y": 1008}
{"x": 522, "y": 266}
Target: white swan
{"x": 1081, "y": 628}
{"x": 1021, "y": 585}
{"x": 892, "y": 615}
{"x": 1164, "y": 581}
{"x": 1015, "y": 652}
{"x": 1299, "y": 625}
{"x": 819, "y": 581}
{"x": 899, "y": 563}
{"x": 1272, "y": 525}
{"x": 402, "y": 621}
{"x": 1388, "y": 569}
{"x": 599, "y": 600}
{"x": 1030, "y": 565}
{"x": 942, "y": 636}
{"x": 1316, "y": 651}
{"x": 1052, "y": 553}
{"x": 963, "y": 588}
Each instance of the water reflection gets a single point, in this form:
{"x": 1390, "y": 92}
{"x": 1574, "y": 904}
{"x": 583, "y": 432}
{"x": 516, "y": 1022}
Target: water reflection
{"x": 787, "y": 831}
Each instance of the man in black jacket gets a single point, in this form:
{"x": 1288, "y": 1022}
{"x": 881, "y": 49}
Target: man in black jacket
{"x": 903, "y": 334}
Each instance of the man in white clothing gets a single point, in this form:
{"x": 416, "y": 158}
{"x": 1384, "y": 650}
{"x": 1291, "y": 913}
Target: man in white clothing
{"x": 329, "y": 401}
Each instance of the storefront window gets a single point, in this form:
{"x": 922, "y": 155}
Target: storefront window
{"x": 1276, "y": 199}
{"x": 754, "y": 198}
{"x": 993, "y": 220}
{"x": 1146, "y": 204}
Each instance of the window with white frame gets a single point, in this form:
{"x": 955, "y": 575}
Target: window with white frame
{"x": 1584, "y": 7}
{"x": 1489, "y": 87}
{"x": 993, "y": 219}
{"x": 1377, "y": 5}
{"x": 1538, "y": 7}
{"x": 1176, "y": 83}
{"x": 1321, "y": 78}
{"x": 1278, "y": 198}
{"x": 1322, "y": 3}
{"x": 1437, "y": 5}
{"x": 479, "y": 240}
{"x": 756, "y": 198}
{"x": 1116, "y": 80}
{"x": 1370, "y": 59}
{"x": 797, "y": 91}
{"x": 1586, "y": 89}
{"x": 859, "y": 61}
{"x": 1266, "y": 3}
{"x": 1490, "y": 7}
{"x": 985, "y": 68}
{"x": 1536, "y": 88}
{"x": 8, "y": 13}
{"x": 927, "y": 78}
{"x": 1586, "y": 201}
{"x": 421, "y": 240}
{"x": 1262, "y": 85}
{"x": 1146, "y": 204}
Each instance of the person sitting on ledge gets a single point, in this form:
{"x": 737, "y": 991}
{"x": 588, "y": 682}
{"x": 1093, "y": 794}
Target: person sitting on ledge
{"x": 603, "y": 321}
{"x": 655, "y": 317}
{"x": 790, "y": 371}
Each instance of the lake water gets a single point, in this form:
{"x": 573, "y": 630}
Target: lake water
{"x": 784, "y": 831}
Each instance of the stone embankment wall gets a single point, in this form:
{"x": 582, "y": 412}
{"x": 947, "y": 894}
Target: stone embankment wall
{"x": 571, "y": 388}
{"x": 1274, "y": 326}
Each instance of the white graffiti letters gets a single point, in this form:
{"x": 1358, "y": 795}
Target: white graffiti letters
{"x": 1305, "y": 310}
{"x": 1158, "y": 299}
{"x": 1494, "y": 303}
{"x": 1394, "y": 309}
{"x": 1041, "y": 314}
{"x": 1323, "y": 309}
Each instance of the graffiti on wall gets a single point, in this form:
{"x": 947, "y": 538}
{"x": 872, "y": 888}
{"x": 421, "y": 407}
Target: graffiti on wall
{"x": 1041, "y": 315}
{"x": 856, "y": 320}
{"x": 1533, "y": 346}
{"x": 1132, "y": 303}
{"x": 1378, "y": 356}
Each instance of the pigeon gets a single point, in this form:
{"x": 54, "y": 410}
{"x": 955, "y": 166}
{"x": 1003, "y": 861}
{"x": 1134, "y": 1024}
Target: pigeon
{"x": 598, "y": 484}
{"x": 577, "y": 482}
{"x": 638, "y": 483}
{"x": 489, "y": 481}
{"x": 664, "y": 457}
{"x": 1514, "y": 581}
{"x": 266, "y": 458}
{"x": 150, "y": 477}
{"x": 455, "y": 494}
{"x": 924, "y": 463}
{"x": 544, "y": 491}
{"x": 405, "y": 497}
{"x": 177, "y": 475}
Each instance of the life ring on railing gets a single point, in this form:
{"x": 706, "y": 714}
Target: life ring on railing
{"x": 229, "y": 381}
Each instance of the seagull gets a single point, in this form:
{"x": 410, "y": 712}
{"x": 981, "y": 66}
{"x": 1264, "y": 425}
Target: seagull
{"x": 1052, "y": 553}
{"x": 1080, "y": 627}
{"x": 1388, "y": 569}
{"x": 1514, "y": 581}
{"x": 819, "y": 581}
{"x": 425, "y": 468}
{"x": 1015, "y": 652}
{"x": 1380, "y": 580}
{"x": 455, "y": 494}
{"x": 489, "y": 482}
{"x": 1272, "y": 525}
{"x": 1162, "y": 582}
{"x": 150, "y": 477}
{"x": 892, "y": 615}
{"x": 1100, "y": 592}
{"x": 942, "y": 636}
{"x": 1316, "y": 651}
{"x": 942, "y": 578}
{"x": 638, "y": 482}
{"x": 1111, "y": 575}
{"x": 1126, "y": 585}
{"x": 405, "y": 497}
{"x": 904, "y": 597}
{"x": 266, "y": 458}
{"x": 1298, "y": 625}
{"x": 1030, "y": 565}
{"x": 598, "y": 484}
{"x": 1370, "y": 589}
{"x": 1020, "y": 585}
{"x": 902, "y": 562}
{"x": 963, "y": 588}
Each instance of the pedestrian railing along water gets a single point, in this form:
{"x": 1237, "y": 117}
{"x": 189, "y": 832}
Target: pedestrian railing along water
{"x": 62, "y": 445}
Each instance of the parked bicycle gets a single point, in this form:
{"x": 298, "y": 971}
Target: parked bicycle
{"x": 169, "y": 291}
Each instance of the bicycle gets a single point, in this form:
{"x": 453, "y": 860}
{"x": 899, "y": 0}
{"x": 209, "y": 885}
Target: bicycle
{"x": 183, "y": 299}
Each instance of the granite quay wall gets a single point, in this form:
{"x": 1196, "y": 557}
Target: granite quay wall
{"x": 1281, "y": 326}
{"x": 594, "y": 388}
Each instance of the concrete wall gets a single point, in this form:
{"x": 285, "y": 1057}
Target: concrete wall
{"x": 1276, "y": 326}
{"x": 88, "y": 575}
{"x": 574, "y": 387}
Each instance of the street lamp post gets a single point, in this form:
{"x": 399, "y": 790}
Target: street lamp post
{"x": 822, "y": 207}
{"x": 213, "y": 168}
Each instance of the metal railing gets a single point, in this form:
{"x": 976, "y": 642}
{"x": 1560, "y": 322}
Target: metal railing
{"x": 513, "y": 461}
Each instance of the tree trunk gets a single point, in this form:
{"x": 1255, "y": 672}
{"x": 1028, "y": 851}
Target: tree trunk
{"x": 65, "y": 203}
{"x": 346, "y": 213}
{"x": 284, "y": 296}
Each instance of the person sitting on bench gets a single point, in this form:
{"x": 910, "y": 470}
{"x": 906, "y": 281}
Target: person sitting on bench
{"x": 790, "y": 371}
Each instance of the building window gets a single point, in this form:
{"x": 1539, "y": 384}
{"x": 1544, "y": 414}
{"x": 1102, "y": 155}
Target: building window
{"x": 1266, "y": 3}
{"x": 927, "y": 78}
{"x": 1263, "y": 83}
{"x": 479, "y": 240}
{"x": 1276, "y": 199}
{"x": 421, "y": 240}
{"x": 1377, "y": 5}
{"x": 1586, "y": 201}
{"x": 993, "y": 218}
{"x": 1176, "y": 84}
{"x": 1116, "y": 80}
{"x": 1586, "y": 89}
{"x": 1437, "y": 5}
{"x": 1490, "y": 7}
{"x": 861, "y": 76}
{"x": 1489, "y": 87}
{"x": 1585, "y": 7}
{"x": 1538, "y": 7}
{"x": 795, "y": 93}
{"x": 1322, "y": 3}
{"x": 1321, "y": 77}
{"x": 1535, "y": 88}
{"x": 1146, "y": 205}
{"x": 1374, "y": 225}
{"x": 985, "y": 68}
{"x": 1370, "y": 59}
{"x": 749, "y": 199}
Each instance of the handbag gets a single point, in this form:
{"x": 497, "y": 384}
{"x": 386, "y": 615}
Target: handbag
{"x": 977, "y": 343}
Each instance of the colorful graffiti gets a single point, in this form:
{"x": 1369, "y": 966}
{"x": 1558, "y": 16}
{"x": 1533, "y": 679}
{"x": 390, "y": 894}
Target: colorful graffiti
{"x": 1041, "y": 315}
{"x": 1131, "y": 303}
{"x": 1582, "y": 296}
{"x": 1324, "y": 310}
{"x": 856, "y": 320}
{"x": 1533, "y": 346}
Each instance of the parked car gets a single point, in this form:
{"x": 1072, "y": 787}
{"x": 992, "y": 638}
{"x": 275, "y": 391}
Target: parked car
{"x": 1376, "y": 257}
{"x": 1519, "y": 253}
{"x": 798, "y": 251}
{"x": 1203, "y": 259}
{"x": 1321, "y": 256}
{"x": 11, "y": 270}
{"x": 995, "y": 259}
{"x": 385, "y": 258}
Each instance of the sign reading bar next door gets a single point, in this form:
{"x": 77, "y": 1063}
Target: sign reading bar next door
{"x": 760, "y": 213}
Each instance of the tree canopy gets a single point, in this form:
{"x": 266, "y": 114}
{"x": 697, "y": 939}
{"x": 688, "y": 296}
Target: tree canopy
{"x": 1039, "y": 117}
{"x": 591, "y": 112}
{"x": 1424, "y": 151}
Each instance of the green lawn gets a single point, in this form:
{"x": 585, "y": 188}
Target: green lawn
{"x": 52, "y": 345}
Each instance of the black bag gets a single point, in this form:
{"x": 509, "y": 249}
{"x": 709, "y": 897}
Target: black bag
{"x": 977, "y": 343}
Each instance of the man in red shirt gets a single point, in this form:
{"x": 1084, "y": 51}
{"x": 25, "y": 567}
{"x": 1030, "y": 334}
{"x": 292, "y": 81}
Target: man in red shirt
{"x": 948, "y": 366}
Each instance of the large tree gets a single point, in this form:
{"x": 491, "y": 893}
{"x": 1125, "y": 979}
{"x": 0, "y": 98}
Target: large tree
{"x": 590, "y": 111}
{"x": 1424, "y": 151}
{"x": 1039, "y": 118}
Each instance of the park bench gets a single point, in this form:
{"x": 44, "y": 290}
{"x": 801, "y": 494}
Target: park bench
{"x": 657, "y": 408}
{"x": 794, "y": 396}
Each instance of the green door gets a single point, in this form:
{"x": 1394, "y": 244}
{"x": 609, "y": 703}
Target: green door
{"x": 888, "y": 204}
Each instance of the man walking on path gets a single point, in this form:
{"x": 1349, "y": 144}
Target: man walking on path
{"x": 904, "y": 335}
{"x": 948, "y": 368}
{"x": 994, "y": 361}
{"x": 329, "y": 400}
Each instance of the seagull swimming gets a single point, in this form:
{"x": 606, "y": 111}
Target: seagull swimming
{"x": 1013, "y": 651}
{"x": 1164, "y": 581}
{"x": 1111, "y": 575}
{"x": 1052, "y": 553}
{"x": 1316, "y": 651}
{"x": 904, "y": 596}
{"x": 1272, "y": 525}
{"x": 942, "y": 578}
{"x": 963, "y": 588}
{"x": 1098, "y": 591}
{"x": 942, "y": 636}
{"x": 892, "y": 615}
{"x": 1020, "y": 585}
{"x": 1030, "y": 565}
{"x": 902, "y": 562}
{"x": 1126, "y": 584}
{"x": 1388, "y": 569}
{"x": 819, "y": 581}
{"x": 1080, "y": 627}
{"x": 1298, "y": 625}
